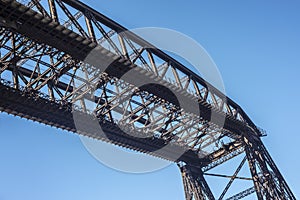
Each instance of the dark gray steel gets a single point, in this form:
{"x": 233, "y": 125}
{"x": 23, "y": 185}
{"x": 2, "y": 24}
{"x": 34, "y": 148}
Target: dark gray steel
{"x": 44, "y": 73}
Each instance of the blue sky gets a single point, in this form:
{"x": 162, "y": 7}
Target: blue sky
{"x": 256, "y": 46}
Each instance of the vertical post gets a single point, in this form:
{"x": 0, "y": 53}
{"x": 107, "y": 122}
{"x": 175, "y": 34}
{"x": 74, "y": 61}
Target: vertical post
{"x": 15, "y": 76}
{"x": 14, "y": 62}
{"x": 123, "y": 46}
{"x": 152, "y": 62}
{"x": 53, "y": 11}
{"x": 177, "y": 79}
{"x": 90, "y": 28}
{"x": 50, "y": 90}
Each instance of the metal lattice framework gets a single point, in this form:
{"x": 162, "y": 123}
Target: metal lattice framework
{"x": 62, "y": 60}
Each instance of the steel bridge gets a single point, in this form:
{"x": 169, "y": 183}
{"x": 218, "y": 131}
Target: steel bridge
{"x": 62, "y": 60}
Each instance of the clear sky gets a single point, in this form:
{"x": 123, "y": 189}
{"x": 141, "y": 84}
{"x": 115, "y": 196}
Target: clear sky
{"x": 256, "y": 46}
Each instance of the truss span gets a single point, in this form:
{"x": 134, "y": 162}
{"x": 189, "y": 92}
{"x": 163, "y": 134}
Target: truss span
{"x": 46, "y": 76}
